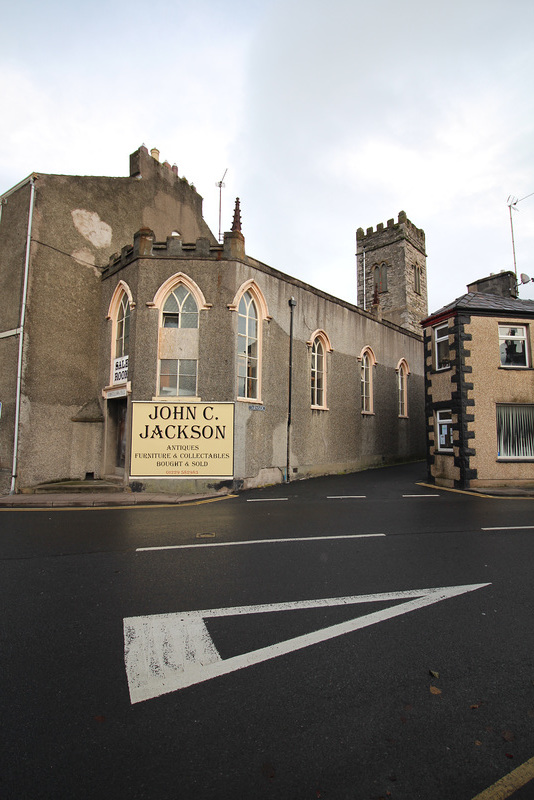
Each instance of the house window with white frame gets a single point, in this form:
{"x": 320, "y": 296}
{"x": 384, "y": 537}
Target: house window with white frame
{"x": 513, "y": 345}
{"x": 247, "y": 348}
{"x": 317, "y": 373}
{"x": 515, "y": 431}
{"x": 441, "y": 346}
{"x": 444, "y": 426}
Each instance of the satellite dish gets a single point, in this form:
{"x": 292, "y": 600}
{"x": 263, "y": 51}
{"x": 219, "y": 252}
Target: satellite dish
{"x": 525, "y": 278}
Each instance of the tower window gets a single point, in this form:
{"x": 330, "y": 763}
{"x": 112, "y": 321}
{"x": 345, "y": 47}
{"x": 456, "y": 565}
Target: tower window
{"x": 380, "y": 277}
{"x": 417, "y": 278}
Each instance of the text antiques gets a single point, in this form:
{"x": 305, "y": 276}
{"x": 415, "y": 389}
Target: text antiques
{"x": 182, "y": 440}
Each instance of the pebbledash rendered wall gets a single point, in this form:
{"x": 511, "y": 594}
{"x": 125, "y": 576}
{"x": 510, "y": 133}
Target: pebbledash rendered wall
{"x": 333, "y": 440}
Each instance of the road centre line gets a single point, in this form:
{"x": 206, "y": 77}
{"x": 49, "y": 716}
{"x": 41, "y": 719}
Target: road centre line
{"x": 511, "y": 528}
{"x": 266, "y": 499}
{"x": 346, "y": 497}
{"x": 260, "y": 541}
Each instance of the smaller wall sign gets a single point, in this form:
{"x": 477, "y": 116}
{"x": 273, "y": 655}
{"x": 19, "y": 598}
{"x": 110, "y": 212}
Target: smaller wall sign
{"x": 120, "y": 370}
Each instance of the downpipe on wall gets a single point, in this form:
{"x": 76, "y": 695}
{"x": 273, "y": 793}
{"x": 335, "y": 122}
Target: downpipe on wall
{"x": 292, "y": 304}
{"x": 21, "y": 338}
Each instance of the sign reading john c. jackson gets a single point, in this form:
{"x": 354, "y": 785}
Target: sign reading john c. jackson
{"x": 182, "y": 440}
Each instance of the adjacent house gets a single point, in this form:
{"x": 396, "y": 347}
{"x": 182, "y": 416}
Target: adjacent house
{"x": 138, "y": 348}
{"x": 479, "y": 383}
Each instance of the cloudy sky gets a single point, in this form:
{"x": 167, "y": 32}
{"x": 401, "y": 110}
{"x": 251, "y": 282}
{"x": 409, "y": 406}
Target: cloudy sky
{"x": 328, "y": 116}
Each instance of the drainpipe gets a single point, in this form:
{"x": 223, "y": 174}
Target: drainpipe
{"x": 21, "y": 337}
{"x": 292, "y": 304}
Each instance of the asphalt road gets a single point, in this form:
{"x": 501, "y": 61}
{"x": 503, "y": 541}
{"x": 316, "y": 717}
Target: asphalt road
{"x": 114, "y": 687}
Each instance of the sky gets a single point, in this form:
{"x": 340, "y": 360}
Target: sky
{"x": 325, "y": 117}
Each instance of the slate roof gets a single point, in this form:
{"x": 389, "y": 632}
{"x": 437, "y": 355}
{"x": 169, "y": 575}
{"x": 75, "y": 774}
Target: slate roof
{"x": 485, "y": 304}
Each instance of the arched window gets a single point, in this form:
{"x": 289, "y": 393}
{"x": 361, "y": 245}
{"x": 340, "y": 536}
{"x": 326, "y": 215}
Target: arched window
{"x": 317, "y": 373}
{"x": 180, "y": 309}
{"x": 251, "y": 308}
{"x": 247, "y": 348}
{"x": 320, "y": 346}
{"x": 380, "y": 277}
{"x": 119, "y": 313}
{"x": 367, "y": 362}
{"x": 179, "y": 301}
{"x": 402, "y": 388}
{"x": 122, "y": 328}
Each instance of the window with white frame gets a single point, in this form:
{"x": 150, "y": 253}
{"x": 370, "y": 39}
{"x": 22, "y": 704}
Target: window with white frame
{"x": 402, "y": 389}
{"x": 515, "y": 431}
{"x": 513, "y": 345}
{"x": 444, "y": 426}
{"x": 366, "y": 382}
{"x": 180, "y": 309}
{"x": 317, "y": 373}
{"x": 178, "y": 377}
{"x": 247, "y": 348}
{"x": 441, "y": 346}
{"x": 178, "y": 339}
{"x": 122, "y": 328}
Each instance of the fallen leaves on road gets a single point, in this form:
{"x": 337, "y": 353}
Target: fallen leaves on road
{"x": 508, "y": 736}
{"x": 435, "y": 690}
{"x": 433, "y": 674}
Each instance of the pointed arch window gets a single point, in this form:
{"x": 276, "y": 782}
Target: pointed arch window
{"x": 402, "y": 388}
{"x": 179, "y": 301}
{"x": 367, "y": 362}
{"x": 320, "y": 346}
{"x": 380, "y": 277}
{"x": 247, "y": 348}
{"x": 122, "y": 328}
{"x": 180, "y": 309}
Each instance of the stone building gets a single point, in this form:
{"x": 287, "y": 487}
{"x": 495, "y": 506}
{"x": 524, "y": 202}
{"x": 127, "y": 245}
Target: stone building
{"x": 392, "y": 269}
{"x": 136, "y": 347}
{"x": 479, "y": 387}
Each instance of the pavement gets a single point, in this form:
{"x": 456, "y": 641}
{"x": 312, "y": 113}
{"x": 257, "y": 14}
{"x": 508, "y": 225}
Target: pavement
{"x": 87, "y": 499}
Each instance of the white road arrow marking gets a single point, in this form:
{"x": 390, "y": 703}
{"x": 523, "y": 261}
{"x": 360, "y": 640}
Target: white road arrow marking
{"x": 167, "y": 652}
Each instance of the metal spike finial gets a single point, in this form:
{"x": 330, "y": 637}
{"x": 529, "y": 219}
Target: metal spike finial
{"x": 236, "y": 224}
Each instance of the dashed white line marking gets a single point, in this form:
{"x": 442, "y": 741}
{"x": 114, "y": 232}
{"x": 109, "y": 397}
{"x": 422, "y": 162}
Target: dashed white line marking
{"x": 266, "y": 499}
{"x": 261, "y": 541}
{"x": 346, "y": 497}
{"x": 511, "y": 528}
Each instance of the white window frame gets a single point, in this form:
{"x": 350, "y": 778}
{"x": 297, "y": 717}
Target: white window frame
{"x": 248, "y": 348}
{"x": 513, "y": 335}
{"x": 402, "y": 388}
{"x": 515, "y": 421}
{"x": 444, "y": 418}
{"x": 367, "y": 362}
{"x": 441, "y": 334}
{"x": 182, "y": 365}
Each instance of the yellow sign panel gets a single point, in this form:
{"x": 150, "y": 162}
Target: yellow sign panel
{"x": 182, "y": 440}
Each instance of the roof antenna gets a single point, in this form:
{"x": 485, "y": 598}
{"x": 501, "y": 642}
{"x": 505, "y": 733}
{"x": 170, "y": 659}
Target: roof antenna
{"x": 221, "y": 185}
{"x": 512, "y": 204}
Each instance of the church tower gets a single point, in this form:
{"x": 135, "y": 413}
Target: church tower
{"x": 391, "y": 267}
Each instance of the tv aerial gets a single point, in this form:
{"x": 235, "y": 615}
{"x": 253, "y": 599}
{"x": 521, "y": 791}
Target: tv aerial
{"x": 512, "y": 203}
{"x": 220, "y": 184}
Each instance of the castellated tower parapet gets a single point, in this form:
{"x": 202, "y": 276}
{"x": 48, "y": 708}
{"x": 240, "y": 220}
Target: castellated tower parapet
{"x": 391, "y": 264}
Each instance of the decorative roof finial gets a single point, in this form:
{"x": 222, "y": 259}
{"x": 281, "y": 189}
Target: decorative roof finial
{"x": 236, "y": 224}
